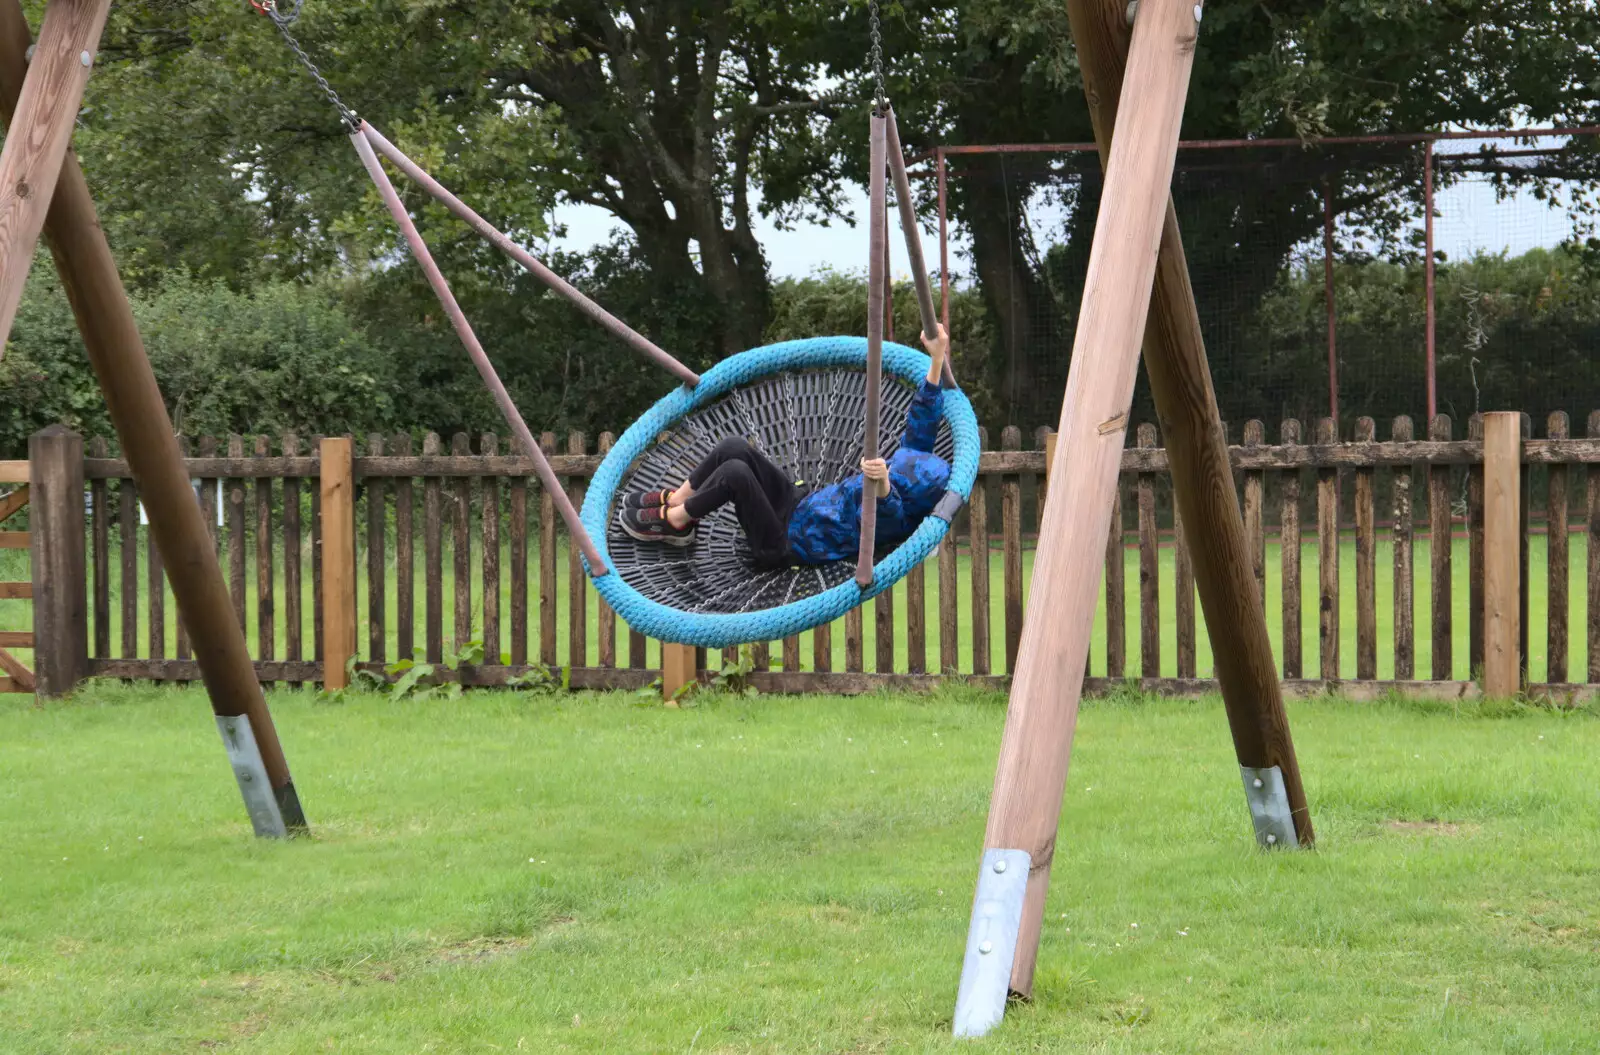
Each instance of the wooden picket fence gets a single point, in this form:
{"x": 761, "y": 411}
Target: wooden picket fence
{"x": 491, "y": 566}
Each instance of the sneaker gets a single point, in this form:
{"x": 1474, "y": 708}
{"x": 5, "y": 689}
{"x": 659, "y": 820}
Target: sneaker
{"x": 645, "y": 499}
{"x": 651, "y": 525}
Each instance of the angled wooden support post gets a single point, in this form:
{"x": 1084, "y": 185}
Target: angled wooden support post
{"x": 39, "y": 136}
{"x": 117, "y": 355}
{"x": 1025, "y": 810}
{"x": 1502, "y": 554}
{"x": 60, "y": 580}
{"x": 1202, "y": 479}
{"x": 338, "y": 560}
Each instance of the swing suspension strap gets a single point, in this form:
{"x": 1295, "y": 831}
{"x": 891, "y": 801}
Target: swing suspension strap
{"x": 283, "y": 15}
{"x": 496, "y": 238}
{"x": 480, "y": 359}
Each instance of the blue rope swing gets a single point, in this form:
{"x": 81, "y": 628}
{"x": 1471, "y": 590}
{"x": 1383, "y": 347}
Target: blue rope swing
{"x": 720, "y": 629}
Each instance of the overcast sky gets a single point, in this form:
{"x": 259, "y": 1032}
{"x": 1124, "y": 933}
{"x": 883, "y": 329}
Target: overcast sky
{"x": 1467, "y": 218}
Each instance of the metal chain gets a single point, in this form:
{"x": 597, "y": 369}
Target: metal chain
{"x": 875, "y": 55}
{"x": 283, "y": 20}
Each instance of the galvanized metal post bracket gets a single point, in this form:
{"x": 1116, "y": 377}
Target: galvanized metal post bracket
{"x": 1269, "y": 807}
{"x": 266, "y": 814}
{"x": 991, "y": 941}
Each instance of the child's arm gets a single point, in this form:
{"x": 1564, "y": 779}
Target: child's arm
{"x": 922, "y": 420}
{"x": 938, "y": 350}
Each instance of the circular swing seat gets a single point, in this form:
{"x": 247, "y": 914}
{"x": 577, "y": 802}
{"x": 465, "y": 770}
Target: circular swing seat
{"x": 800, "y": 403}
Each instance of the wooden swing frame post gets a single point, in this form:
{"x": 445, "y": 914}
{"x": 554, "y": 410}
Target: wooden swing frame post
{"x": 38, "y": 110}
{"x": 1202, "y": 477}
{"x": 1135, "y": 229}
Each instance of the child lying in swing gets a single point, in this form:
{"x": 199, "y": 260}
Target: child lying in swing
{"x": 785, "y": 524}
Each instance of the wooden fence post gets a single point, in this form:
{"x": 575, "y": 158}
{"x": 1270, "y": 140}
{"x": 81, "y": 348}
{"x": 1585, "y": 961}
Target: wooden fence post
{"x": 338, "y": 560}
{"x": 60, "y": 581}
{"x": 677, "y": 669}
{"x": 1502, "y": 542}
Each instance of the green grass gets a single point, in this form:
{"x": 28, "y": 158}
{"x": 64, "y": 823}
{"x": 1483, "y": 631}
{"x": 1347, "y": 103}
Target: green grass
{"x": 593, "y": 874}
{"x": 16, "y": 614}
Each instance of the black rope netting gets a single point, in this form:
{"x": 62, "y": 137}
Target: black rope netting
{"x": 809, "y": 423}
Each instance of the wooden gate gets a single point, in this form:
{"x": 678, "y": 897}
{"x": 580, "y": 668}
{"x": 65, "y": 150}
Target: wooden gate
{"x": 14, "y": 677}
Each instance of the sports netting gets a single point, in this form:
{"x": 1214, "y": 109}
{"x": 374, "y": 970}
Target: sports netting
{"x": 1267, "y": 229}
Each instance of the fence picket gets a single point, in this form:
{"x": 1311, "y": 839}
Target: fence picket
{"x": 128, "y": 557}
{"x": 949, "y": 604}
{"x": 547, "y": 565}
{"x": 1441, "y": 526}
{"x": 100, "y": 544}
{"x": 432, "y": 558}
{"x": 1289, "y": 556}
{"x": 1556, "y": 560}
{"x": 180, "y": 648}
{"x": 1592, "y": 513}
{"x": 854, "y": 648}
{"x": 377, "y": 564}
{"x": 883, "y": 632}
{"x": 1116, "y": 576}
{"x": 577, "y": 581}
{"x": 266, "y": 601}
{"x": 1328, "y": 558}
{"x": 1149, "y": 567}
{"x": 489, "y": 527}
{"x": 1011, "y": 548}
{"x": 156, "y": 597}
{"x": 405, "y": 596}
{"x": 822, "y": 648}
{"x": 1255, "y": 532}
{"x": 1366, "y": 562}
{"x": 978, "y": 529}
{"x": 517, "y": 547}
{"x": 292, "y": 608}
{"x": 207, "y": 447}
{"x": 1405, "y": 637}
{"x": 236, "y": 534}
{"x": 605, "y": 618}
{"x": 461, "y": 548}
{"x": 1183, "y": 596}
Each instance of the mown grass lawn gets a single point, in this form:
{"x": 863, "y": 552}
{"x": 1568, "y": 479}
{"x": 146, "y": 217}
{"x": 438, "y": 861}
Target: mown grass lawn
{"x": 593, "y": 873}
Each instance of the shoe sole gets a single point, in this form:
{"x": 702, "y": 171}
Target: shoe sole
{"x": 644, "y": 536}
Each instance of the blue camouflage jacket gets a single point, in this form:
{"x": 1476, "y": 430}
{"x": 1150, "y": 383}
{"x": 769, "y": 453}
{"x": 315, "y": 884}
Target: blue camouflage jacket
{"x": 826, "y": 524}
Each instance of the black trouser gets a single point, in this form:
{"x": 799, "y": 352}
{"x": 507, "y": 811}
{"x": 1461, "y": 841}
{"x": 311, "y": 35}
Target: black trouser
{"x": 763, "y": 496}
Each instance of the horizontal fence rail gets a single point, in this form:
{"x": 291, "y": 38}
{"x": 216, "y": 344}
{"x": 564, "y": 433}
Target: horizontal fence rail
{"x": 1368, "y": 554}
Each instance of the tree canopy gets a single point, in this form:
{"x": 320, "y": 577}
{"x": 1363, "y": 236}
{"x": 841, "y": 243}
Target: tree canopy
{"x": 217, "y": 161}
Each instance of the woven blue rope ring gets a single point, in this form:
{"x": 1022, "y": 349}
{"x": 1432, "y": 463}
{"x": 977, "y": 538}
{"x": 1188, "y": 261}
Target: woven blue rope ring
{"x": 722, "y": 629}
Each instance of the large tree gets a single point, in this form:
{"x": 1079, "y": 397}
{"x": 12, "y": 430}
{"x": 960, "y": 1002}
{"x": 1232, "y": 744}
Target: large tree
{"x": 686, "y": 118}
{"x": 682, "y": 118}
{"x": 1002, "y": 71}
